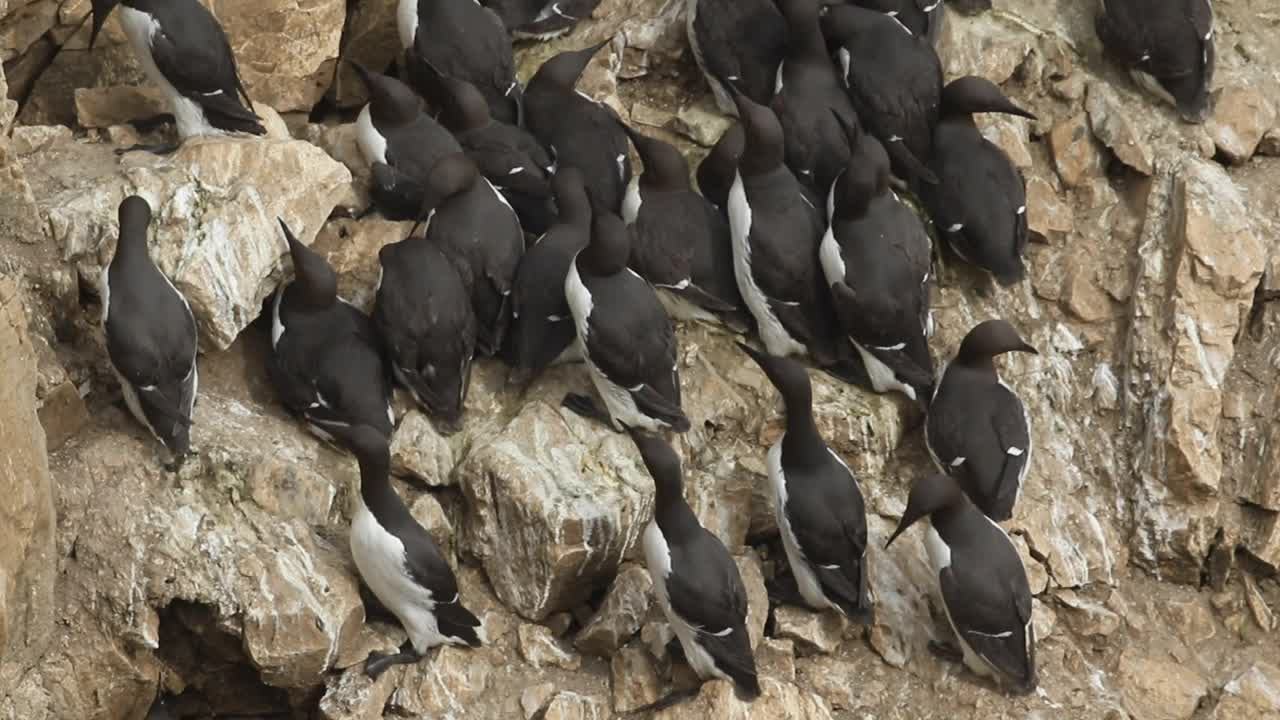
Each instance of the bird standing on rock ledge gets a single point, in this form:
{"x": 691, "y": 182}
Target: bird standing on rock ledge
{"x": 151, "y": 334}
{"x": 184, "y": 51}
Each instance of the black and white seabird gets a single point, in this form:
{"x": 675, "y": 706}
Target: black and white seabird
{"x": 979, "y": 204}
{"x": 401, "y": 564}
{"x": 464, "y": 212}
{"x": 819, "y": 508}
{"x": 696, "y": 581}
{"x": 893, "y": 79}
{"x": 423, "y": 312}
{"x": 326, "y": 361}
{"x": 400, "y": 142}
{"x": 508, "y": 156}
{"x": 1167, "y": 45}
{"x": 679, "y": 241}
{"x": 578, "y": 131}
{"x": 982, "y": 582}
{"x": 541, "y": 324}
{"x": 626, "y": 336}
{"x": 185, "y": 52}
{"x": 776, "y": 231}
{"x": 716, "y": 171}
{"x": 541, "y": 19}
{"x": 922, "y": 18}
{"x": 808, "y": 96}
{"x": 151, "y": 334}
{"x": 462, "y": 39}
{"x": 977, "y": 429}
{"x": 875, "y": 256}
{"x": 739, "y": 42}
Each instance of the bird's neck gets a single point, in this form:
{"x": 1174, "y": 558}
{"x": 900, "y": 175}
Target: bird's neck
{"x": 675, "y": 518}
{"x": 802, "y": 439}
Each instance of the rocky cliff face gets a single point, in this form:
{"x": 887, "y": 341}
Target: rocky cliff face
{"x": 1149, "y": 525}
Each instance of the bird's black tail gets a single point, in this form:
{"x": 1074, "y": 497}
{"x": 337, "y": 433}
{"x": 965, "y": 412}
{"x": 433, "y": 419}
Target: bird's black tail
{"x": 457, "y": 622}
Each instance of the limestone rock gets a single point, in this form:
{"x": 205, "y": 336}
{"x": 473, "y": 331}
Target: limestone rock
{"x": 351, "y": 249}
{"x": 442, "y": 685}
{"x": 353, "y": 696}
{"x": 1009, "y": 133}
{"x": 1242, "y": 114}
{"x": 702, "y": 122}
{"x": 62, "y": 414}
{"x": 286, "y": 52}
{"x": 813, "y": 631}
{"x": 777, "y": 658}
{"x": 567, "y": 705}
{"x": 1257, "y": 687}
{"x": 8, "y": 108}
{"x": 1191, "y": 295}
{"x": 426, "y": 509}
{"x": 554, "y": 505}
{"x": 23, "y": 24}
{"x": 214, "y": 229}
{"x": 371, "y": 39}
{"x": 1087, "y": 617}
{"x": 1075, "y": 152}
{"x": 419, "y": 451}
{"x": 620, "y": 615}
{"x": 757, "y": 596}
{"x": 1110, "y": 121}
{"x": 1158, "y": 688}
{"x": 27, "y": 562}
{"x": 779, "y": 701}
{"x": 634, "y": 679}
{"x": 535, "y": 698}
{"x": 540, "y": 648}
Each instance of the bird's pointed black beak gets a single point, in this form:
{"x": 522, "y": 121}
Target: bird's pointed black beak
{"x": 100, "y": 12}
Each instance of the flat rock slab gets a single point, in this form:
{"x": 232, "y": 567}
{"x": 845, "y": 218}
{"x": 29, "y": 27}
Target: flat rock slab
{"x": 215, "y": 205}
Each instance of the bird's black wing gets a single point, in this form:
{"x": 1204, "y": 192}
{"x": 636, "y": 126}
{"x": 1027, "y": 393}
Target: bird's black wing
{"x": 201, "y": 66}
{"x": 428, "y": 567}
{"x": 991, "y": 609}
{"x": 706, "y": 590}
{"x": 631, "y": 340}
{"x": 831, "y": 529}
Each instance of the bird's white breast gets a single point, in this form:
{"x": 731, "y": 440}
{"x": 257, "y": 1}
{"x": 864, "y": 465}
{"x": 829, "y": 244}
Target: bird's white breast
{"x": 373, "y": 146}
{"x": 938, "y": 550}
{"x": 631, "y": 201}
{"x": 407, "y": 22}
{"x": 806, "y": 580}
{"x": 380, "y": 558}
{"x": 776, "y": 338}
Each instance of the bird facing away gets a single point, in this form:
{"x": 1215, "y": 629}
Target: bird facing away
{"x": 626, "y": 336}
{"x": 696, "y": 581}
{"x": 401, "y": 564}
{"x": 739, "y": 43}
{"x": 977, "y": 429}
{"x": 185, "y": 52}
{"x": 679, "y": 241}
{"x": 542, "y": 325}
{"x": 465, "y": 213}
{"x": 1167, "y": 46}
{"x": 326, "y": 361}
{"x": 817, "y": 503}
{"x": 461, "y": 39}
{"x": 876, "y": 259}
{"x": 509, "y": 157}
{"x": 979, "y": 204}
{"x": 150, "y": 333}
{"x": 981, "y": 580}
{"x": 578, "y": 131}
{"x": 423, "y": 313}
{"x": 776, "y": 232}
{"x": 400, "y": 142}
